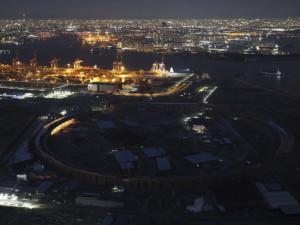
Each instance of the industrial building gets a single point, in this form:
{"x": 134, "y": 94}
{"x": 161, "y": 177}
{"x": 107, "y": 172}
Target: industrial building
{"x": 277, "y": 197}
{"x": 204, "y": 158}
{"x": 125, "y": 159}
{"x": 103, "y": 87}
{"x": 154, "y": 152}
{"x": 106, "y": 201}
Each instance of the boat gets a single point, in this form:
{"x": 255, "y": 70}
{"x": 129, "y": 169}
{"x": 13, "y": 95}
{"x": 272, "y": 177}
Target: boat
{"x": 271, "y": 73}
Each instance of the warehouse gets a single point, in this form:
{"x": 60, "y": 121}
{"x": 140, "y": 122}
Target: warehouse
{"x": 106, "y": 126}
{"x": 278, "y": 198}
{"x": 103, "y": 87}
{"x": 204, "y": 158}
{"x": 163, "y": 164}
{"x": 125, "y": 159}
{"x": 154, "y": 152}
{"x": 106, "y": 201}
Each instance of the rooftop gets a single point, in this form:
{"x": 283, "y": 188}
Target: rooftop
{"x": 163, "y": 164}
{"x": 102, "y": 125}
{"x": 154, "y": 152}
{"x": 201, "y": 158}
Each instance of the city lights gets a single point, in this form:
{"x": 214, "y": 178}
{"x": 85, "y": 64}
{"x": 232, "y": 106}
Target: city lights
{"x": 154, "y": 119}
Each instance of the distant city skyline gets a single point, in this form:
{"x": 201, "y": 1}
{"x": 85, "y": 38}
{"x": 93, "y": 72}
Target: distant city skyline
{"x": 135, "y": 9}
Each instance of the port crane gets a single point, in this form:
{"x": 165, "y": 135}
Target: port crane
{"x": 33, "y": 62}
{"x": 54, "y": 63}
{"x": 77, "y": 63}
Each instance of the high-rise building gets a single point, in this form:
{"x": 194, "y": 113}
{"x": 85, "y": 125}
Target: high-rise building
{"x": 163, "y": 32}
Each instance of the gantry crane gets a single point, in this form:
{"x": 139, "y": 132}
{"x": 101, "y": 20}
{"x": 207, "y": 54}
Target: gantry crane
{"x": 54, "y": 63}
{"x": 77, "y": 63}
{"x": 16, "y": 60}
{"x": 33, "y": 62}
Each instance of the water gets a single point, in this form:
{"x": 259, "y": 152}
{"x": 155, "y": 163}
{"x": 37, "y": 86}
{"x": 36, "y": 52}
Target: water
{"x": 67, "y": 49}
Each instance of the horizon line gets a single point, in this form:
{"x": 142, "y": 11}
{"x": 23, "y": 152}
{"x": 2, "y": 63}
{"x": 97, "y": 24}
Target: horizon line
{"x": 167, "y": 18}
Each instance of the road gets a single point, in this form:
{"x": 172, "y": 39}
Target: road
{"x": 23, "y": 134}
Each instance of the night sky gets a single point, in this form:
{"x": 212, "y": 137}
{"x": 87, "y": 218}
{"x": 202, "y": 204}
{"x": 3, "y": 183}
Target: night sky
{"x": 115, "y": 9}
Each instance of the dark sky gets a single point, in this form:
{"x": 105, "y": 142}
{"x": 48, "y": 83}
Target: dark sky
{"x": 99, "y": 9}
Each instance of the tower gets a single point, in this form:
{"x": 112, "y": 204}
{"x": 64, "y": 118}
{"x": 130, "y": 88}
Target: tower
{"x": 163, "y": 32}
